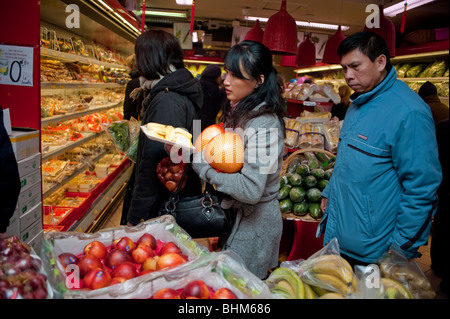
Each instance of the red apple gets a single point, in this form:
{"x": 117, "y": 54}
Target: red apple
{"x": 97, "y": 278}
{"x": 170, "y": 247}
{"x": 117, "y": 280}
{"x": 116, "y": 257}
{"x": 166, "y": 293}
{"x": 67, "y": 259}
{"x": 169, "y": 260}
{"x": 150, "y": 263}
{"x": 123, "y": 243}
{"x": 147, "y": 239}
{"x": 223, "y": 293}
{"x": 87, "y": 263}
{"x": 141, "y": 253}
{"x": 197, "y": 289}
{"x": 96, "y": 249}
{"x": 125, "y": 270}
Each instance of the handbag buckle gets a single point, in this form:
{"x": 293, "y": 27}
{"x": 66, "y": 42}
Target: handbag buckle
{"x": 210, "y": 202}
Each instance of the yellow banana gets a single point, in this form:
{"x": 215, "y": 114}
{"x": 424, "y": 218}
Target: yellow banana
{"x": 334, "y": 268}
{"x": 291, "y": 277}
{"x": 332, "y": 295}
{"x": 332, "y": 258}
{"x": 286, "y": 286}
{"x": 387, "y": 283}
{"x": 309, "y": 293}
{"x": 333, "y": 281}
{"x": 318, "y": 290}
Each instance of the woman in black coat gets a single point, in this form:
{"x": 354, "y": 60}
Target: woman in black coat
{"x": 213, "y": 96}
{"x": 172, "y": 96}
{"x": 9, "y": 179}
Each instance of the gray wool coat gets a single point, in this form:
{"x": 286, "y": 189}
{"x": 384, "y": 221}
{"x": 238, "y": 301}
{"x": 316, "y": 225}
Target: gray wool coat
{"x": 257, "y": 231}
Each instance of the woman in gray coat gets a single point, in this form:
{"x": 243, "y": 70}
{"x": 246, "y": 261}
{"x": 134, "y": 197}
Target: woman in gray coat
{"x": 254, "y": 110}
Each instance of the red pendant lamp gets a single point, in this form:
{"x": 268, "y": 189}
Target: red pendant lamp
{"x": 255, "y": 33}
{"x": 306, "y": 53}
{"x": 386, "y": 31}
{"x": 330, "y": 53}
{"x": 280, "y": 34}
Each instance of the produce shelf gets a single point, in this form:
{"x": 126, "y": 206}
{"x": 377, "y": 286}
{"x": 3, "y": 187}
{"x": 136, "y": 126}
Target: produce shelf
{"x": 70, "y": 57}
{"x": 55, "y": 120}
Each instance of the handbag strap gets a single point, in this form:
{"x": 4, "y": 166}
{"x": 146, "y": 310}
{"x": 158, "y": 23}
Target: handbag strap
{"x": 207, "y": 200}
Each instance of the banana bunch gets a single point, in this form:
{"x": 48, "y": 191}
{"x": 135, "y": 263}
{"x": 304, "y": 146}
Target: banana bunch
{"x": 331, "y": 272}
{"x": 395, "y": 290}
{"x": 287, "y": 284}
{"x": 410, "y": 279}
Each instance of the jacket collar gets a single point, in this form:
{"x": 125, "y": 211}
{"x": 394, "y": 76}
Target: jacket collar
{"x": 383, "y": 86}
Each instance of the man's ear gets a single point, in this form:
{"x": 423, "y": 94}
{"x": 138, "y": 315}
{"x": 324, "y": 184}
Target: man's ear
{"x": 381, "y": 62}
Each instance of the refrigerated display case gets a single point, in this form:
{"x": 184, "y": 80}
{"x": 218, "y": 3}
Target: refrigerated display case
{"x": 82, "y": 65}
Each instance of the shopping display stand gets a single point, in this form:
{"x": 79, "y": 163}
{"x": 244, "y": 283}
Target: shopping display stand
{"x": 304, "y": 243}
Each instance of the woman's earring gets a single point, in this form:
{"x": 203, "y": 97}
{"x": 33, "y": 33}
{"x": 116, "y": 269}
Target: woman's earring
{"x": 258, "y": 85}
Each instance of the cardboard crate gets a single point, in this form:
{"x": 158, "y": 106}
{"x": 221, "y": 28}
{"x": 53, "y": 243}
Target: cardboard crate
{"x": 25, "y": 142}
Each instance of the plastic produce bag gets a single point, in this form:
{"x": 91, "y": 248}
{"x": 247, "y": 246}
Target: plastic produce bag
{"x": 125, "y": 136}
{"x": 217, "y": 270}
{"x": 396, "y": 269}
{"x": 63, "y": 285}
{"x": 21, "y": 273}
{"x": 327, "y": 272}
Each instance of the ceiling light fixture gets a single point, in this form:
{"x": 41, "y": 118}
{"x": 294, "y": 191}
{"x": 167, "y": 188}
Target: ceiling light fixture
{"x": 398, "y": 8}
{"x": 304, "y": 23}
{"x": 184, "y": 2}
{"x": 165, "y": 13}
{"x": 113, "y": 13}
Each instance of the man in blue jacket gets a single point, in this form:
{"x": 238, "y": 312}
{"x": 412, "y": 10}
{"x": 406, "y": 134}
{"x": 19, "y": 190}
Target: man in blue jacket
{"x": 384, "y": 186}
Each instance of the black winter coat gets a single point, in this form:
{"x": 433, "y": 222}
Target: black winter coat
{"x": 130, "y": 107}
{"x": 9, "y": 178}
{"x": 174, "y": 100}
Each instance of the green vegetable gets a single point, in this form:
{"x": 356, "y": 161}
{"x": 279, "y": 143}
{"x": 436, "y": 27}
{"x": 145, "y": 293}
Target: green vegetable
{"x": 313, "y": 162}
{"x": 313, "y": 194}
{"x": 309, "y": 181}
{"x": 283, "y": 180}
{"x": 301, "y": 209}
{"x": 295, "y": 179}
{"x": 322, "y": 157}
{"x": 318, "y": 173}
{"x": 315, "y": 211}
{"x": 328, "y": 173}
{"x": 284, "y": 192}
{"x": 297, "y": 194}
{"x": 120, "y": 134}
{"x": 132, "y": 151}
{"x": 286, "y": 205}
{"x": 321, "y": 184}
{"x": 293, "y": 165}
{"x": 302, "y": 170}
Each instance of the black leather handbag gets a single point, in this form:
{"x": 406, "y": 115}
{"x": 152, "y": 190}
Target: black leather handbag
{"x": 200, "y": 216}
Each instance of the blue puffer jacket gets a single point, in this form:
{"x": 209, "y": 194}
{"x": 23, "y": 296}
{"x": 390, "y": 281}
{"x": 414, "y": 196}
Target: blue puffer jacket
{"x": 386, "y": 175}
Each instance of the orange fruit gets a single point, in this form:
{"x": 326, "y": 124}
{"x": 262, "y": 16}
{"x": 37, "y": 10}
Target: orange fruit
{"x": 225, "y": 152}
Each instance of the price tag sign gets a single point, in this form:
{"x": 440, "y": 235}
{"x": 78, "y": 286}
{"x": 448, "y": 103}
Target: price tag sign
{"x": 16, "y": 65}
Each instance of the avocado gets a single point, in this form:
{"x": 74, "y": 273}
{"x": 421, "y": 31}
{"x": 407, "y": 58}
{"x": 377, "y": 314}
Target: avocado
{"x": 315, "y": 211}
{"x": 284, "y": 192}
{"x": 309, "y": 181}
{"x": 301, "y": 209}
{"x": 286, "y": 205}
{"x": 297, "y": 194}
{"x": 313, "y": 194}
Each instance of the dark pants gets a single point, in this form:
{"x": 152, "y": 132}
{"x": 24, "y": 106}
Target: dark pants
{"x": 127, "y": 198}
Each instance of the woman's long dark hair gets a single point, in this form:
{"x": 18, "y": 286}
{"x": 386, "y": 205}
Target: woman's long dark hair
{"x": 255, "y": 59}
{"x": 155, "y": 51}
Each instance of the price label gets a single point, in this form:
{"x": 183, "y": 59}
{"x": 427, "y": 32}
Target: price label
{"x": 16, "y": 65}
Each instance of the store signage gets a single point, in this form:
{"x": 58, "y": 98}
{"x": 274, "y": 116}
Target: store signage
{"x": 16, "y": 65}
